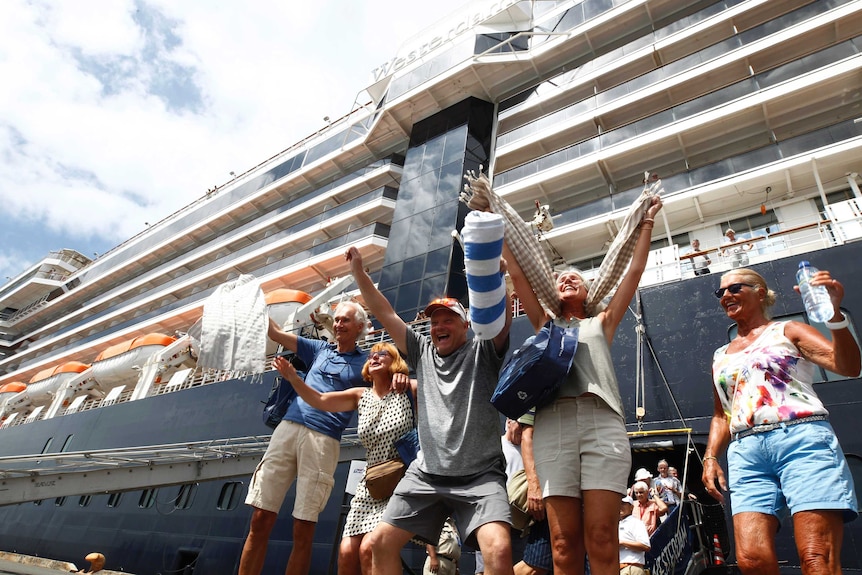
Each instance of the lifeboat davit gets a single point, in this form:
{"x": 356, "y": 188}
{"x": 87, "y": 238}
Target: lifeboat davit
{"x": 7, "y": 390}
{"x": 44, "y": 385}
{"x": 120, "y": 364}
{"x": 282, "y": 305}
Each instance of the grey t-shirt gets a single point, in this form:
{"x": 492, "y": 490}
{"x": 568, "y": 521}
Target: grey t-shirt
{"x": 459, "y": 429}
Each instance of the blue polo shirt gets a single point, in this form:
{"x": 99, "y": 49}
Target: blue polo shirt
{"x": 328, "y": 370}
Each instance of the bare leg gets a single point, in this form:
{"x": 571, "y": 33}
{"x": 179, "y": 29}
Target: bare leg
{"x": 565, "y": 519}
{"x": 303, "y": 538}
{"x": 348, "y": 556}
{"x": 601, "y": 530}
{"x": 254, "y": 550}
{"x": 522, "y": 568}
{"x": 819, "y": 535}
{"x": 385, "y": 543}
{"x": 755, "y": 543}
{"x": 495, "y": 543}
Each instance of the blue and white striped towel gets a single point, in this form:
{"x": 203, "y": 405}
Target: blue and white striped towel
{"x": 483, "y": 247}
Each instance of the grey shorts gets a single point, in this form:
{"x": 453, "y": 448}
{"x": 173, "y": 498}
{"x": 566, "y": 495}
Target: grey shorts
{"x": 421, "y": 503}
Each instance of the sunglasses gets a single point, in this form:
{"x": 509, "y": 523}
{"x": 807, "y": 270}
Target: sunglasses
{"x": 732, "y": 288}
{"x": 378, "y": 354}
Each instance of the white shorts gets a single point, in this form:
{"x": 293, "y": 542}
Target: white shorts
{"x": 295, "y": 451}
{"x": 579, "y": 444}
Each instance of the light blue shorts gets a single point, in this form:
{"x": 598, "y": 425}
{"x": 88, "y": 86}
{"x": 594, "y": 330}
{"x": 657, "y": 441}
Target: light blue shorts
{"x": 796, "y": 468}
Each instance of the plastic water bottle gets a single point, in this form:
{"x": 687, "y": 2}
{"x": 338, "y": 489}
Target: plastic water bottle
{"x": 818, "y": 304}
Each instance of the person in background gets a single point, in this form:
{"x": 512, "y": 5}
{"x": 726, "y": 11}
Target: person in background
{"x": 738, "y": 253}
{"x": 443, "y": 558}
{"x": 700, "y": 262}
{"x": 782, "y": 453}
{"x": 537, "y": 552}
{"x": 460, "y": 470}
{"x": 580, "y": 443}
{"x": 306, "y": 444}
{"x": 648, "y": 506}
{"x": 511, "y": 444}
{"x": 384, "y": 416}
{"x": 669, "y": 487}
{"x": 634, "y": 540}
{"x": 643, "y": 474}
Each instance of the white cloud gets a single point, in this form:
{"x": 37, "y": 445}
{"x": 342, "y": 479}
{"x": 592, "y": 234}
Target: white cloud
{"x": 115, "y": 113}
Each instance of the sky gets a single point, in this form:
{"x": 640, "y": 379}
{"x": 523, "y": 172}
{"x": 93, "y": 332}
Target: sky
{"x": 116, "y": 113}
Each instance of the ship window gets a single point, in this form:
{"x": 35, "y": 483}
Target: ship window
{"x": 59, "y": 501}
{"x": 67, "y": 442}
{"x": 186, "y": 496}
{"x": 820, "y": 374}
{"x": 114, "y": 499}
{"x": 37, "y": 502}
{"x": 229, "y": 496}
{"x": 47, "y": 445}
{"x": 147, "y": 499}
{"x": 84, "y": 500}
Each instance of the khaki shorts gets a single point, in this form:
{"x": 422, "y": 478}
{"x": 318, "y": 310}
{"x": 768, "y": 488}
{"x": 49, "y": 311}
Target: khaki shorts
{"x": 579, "y": 443}
{"x": 295, "y": 451}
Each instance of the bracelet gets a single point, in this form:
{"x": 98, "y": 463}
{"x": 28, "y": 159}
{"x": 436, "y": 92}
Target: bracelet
{"x": 836, "y": 325}
{"x": 652, "y": 220}
{"x": 713, "y": 457}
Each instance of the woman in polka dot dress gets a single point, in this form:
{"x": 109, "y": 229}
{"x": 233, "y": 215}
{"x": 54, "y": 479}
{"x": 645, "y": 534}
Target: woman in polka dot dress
{"x": 384, "y": 416}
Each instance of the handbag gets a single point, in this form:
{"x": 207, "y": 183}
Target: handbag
{"x": 381, "y": 478}
{"x": 532, "y": 376}
{"x": 281, "y": 396}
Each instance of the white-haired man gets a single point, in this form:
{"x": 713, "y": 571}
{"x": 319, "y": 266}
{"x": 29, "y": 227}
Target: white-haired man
{"x": 306, "y": 444}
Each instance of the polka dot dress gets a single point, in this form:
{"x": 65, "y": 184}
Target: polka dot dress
{"x": 381, "y": 422}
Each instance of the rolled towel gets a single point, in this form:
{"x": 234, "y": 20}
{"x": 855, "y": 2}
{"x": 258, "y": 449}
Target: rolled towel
{"x": 483, "y": 247}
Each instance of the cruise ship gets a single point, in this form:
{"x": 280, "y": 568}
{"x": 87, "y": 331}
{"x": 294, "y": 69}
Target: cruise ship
{"x": 112, "y": 439}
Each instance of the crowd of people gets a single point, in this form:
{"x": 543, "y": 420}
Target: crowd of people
{"x": 574, "y": 451}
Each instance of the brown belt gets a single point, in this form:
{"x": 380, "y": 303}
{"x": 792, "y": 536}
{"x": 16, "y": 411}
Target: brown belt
{"x": 624, "y": 565}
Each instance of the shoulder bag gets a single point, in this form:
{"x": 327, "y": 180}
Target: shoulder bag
{"x": 532, "y": 376}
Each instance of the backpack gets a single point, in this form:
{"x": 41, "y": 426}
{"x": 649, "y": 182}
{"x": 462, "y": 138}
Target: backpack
{"x": 532, "y": 376}
{"x": 281, "y": 396}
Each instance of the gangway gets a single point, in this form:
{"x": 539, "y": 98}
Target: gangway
{"x": 51, "y": 475}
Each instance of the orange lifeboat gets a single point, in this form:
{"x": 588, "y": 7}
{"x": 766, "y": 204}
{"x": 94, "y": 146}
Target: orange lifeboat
{"x": 116, "y": 365}
{"x": 281, "y": 304}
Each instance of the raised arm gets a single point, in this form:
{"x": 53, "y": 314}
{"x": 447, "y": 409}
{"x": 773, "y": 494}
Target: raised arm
{"x": 534, "y": 310}
{"x": 376, "y": 302}
{"x": 333, "y": 401}
{"x": 613, "y": 315}
{"x": 281, "y": 337}
{"x": 501, "y": 340}
{"x": 840, "y": 355}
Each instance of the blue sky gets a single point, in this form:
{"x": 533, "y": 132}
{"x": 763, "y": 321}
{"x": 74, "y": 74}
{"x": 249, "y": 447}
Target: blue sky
{"x": 114, "y": 113}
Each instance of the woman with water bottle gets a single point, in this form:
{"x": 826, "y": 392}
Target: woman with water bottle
{"x": 782, "y": 453}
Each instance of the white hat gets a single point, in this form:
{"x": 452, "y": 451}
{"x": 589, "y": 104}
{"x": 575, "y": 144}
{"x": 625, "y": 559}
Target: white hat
{"x": 628, "y": 500}
{"x": 642, "y": 473}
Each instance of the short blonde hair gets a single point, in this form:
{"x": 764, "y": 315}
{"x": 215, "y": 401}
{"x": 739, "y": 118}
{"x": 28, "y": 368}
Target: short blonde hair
{"x": 752, "y": 277}
{"x": 398, "y": 364}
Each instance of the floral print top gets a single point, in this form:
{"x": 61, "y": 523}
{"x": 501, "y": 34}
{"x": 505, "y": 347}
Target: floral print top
{"x": 767, "y": 382}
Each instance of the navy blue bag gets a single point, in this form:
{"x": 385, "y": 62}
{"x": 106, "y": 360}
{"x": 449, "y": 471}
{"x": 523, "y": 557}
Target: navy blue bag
{"x": 534, "y": 373}
{"x": 281, "y": 396}
{"x": 407, "y": 445}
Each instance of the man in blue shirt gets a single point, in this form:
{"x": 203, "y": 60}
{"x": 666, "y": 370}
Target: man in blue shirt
{"x": 306, "y": 444}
